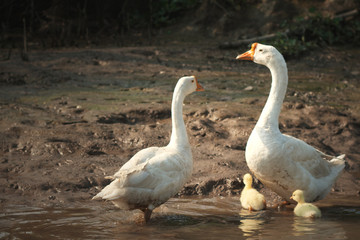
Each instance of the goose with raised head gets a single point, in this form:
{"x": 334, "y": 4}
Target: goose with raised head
{"x": 281, "y": 162}
{"x": 155, "y": 174}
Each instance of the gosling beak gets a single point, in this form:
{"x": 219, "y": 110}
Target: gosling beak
{"x": 199, "y": 88}
{"x": 291, "y": 198}
{"x": 249, "y": 55}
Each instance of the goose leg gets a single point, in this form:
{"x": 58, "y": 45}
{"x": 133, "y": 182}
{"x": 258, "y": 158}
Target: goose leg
{"x": 147, "y": 214}
{"x": 282, "y": 204}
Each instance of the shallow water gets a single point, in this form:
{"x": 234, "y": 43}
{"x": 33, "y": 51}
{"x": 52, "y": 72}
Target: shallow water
{"x": 184, "y": 218}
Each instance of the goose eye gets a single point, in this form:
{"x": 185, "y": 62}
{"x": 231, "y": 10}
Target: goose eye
{"x": 260, "y": 50}
{"x": 192, "y": 80}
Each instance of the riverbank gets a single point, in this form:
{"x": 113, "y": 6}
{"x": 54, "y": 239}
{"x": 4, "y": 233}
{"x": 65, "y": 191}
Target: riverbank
{"x": 69, "y": 117}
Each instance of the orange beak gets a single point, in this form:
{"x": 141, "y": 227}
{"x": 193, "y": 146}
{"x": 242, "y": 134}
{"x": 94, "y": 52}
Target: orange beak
{"x": 199, "y": 88}
{"x": 249, "y": 55}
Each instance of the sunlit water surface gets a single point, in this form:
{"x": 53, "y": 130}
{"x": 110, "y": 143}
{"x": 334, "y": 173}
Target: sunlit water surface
{"x": 184, "y": 218}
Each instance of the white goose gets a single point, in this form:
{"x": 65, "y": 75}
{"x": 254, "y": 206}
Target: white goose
{"x": 155, "y": 174}
{"x": 281, "y": 162}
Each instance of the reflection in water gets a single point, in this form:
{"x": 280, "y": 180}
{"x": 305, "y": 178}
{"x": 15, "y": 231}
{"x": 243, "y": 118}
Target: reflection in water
{"x": 317, "y": 227}
{"x": 180, "y": 218}
{"x": 251, "y": 222}
{"x": 302, "y": 226}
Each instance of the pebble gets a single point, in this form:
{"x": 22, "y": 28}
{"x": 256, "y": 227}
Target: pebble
{"x": 249, "y": 88}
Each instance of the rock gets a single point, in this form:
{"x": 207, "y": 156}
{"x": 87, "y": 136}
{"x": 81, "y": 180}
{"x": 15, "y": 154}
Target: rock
{"x": 249, "y": 88}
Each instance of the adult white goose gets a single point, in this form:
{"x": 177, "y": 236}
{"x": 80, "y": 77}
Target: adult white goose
{"x": 155, "y": 174}
{"x": 281, "y": 162}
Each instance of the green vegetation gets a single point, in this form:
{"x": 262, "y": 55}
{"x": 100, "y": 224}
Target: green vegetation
{"x": 157, "y": 13}
{"x": 166, "y": 11}
{"x": 305, "y": 34}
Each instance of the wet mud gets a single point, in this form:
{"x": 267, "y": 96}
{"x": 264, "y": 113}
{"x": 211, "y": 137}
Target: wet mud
{"x": 70, "y": 117}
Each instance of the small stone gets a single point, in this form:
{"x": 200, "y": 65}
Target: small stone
{"x": 52, "y": 197}
{"x": 249, "y": 88}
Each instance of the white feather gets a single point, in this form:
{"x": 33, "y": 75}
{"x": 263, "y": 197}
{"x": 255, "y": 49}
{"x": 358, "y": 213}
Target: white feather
{"x": 155, "y": 174}
{"x": 281, "y": 162}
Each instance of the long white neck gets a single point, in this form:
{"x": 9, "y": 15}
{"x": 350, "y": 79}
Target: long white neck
{"x": 179, "y": 136}
{"x": 269, "y": 118}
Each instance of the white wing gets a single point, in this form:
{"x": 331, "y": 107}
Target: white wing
{"x": 158, "y": 177}
{"x": 309, "y": 158}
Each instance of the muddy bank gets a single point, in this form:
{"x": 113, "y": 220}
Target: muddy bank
{"x": 69, "y": 117}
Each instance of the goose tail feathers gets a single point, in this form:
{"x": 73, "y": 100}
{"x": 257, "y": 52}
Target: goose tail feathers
{"x": 339, "y": 160}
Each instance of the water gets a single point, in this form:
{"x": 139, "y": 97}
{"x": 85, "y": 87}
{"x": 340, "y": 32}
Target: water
{"x": 184, "y": 218}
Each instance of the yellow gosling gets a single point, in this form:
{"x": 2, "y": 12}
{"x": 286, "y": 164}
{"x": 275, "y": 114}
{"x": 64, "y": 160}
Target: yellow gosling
{"x": 304, "y": 209}
{"x": 250, "y": 198}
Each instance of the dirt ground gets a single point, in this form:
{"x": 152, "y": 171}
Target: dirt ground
{"x": 69, "y": 117}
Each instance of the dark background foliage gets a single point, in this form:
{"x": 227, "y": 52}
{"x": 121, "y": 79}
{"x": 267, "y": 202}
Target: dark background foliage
{"x": 68, "y": 21}
{"x": 57, "y": 23}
